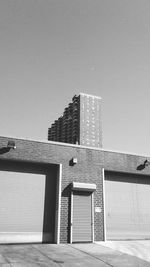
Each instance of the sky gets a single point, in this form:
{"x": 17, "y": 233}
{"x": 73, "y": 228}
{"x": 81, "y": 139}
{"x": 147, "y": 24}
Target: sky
{"x": 51, "y": 50}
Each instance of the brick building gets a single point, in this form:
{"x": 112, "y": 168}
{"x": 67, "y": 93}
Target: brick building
{"x": 80, "y": 122}
{"x": 57, "y": 191}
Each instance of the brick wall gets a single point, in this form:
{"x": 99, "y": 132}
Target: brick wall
{"x": 88, "y": 169}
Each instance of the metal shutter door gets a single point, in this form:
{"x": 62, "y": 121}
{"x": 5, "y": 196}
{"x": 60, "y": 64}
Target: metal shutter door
{"x": 21, "y": 207}
{"x": 127, "y": 202}
{"x": 82, "y": 217}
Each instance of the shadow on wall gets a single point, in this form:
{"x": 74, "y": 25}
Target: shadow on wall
{"x": 4, "y": 150}
{"x": 49, "y": 206}
{"x": 67, "y": 194}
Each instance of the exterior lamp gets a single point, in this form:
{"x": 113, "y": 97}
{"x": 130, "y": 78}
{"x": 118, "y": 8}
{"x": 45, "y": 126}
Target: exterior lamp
{"x": 142, "y": 166}
{"x": 11, "y": 145}
{"x": 73, "y": 161}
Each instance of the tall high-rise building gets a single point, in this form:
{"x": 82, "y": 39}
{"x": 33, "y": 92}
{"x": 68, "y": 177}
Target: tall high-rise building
{"x": 80, "y": 122}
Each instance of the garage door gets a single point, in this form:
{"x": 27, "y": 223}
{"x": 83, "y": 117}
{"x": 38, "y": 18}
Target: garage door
{"x": 82, "y": 217}
{"x": 21, "y": 207}
{"x": 127, "y": 206}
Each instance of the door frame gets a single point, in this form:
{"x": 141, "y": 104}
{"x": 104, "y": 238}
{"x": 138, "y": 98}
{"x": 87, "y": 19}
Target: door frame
{"x": 104, "y": 210}
{"x": 58, "y": 204}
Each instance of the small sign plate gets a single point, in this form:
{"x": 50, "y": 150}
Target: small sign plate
{"x": 98, "y": 209}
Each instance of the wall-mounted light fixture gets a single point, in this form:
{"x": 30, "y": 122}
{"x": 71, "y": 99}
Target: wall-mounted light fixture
{"x": 11, "y": 144}
{"x": 73, "y": 161}
{"x": 142, "y": 166}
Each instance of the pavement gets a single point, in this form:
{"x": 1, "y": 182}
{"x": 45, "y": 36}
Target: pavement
{"x": 138, "y": 248}
{"x": 69, "y": 255}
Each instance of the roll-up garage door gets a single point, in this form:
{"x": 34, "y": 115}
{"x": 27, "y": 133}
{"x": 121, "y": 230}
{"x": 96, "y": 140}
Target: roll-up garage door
{"x": 21, "y": 207}
{"x": 127, "y": 206}
{"x": 82, "y": 217}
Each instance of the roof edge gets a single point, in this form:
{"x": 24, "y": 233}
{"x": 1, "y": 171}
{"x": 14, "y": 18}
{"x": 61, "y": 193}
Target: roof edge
{"x": 74, "y": 145}
{"x": 84, "y": 94}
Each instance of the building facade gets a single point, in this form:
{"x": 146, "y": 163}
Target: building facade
{"x": 80, "y": 122}
{"x": 57, "y": 192}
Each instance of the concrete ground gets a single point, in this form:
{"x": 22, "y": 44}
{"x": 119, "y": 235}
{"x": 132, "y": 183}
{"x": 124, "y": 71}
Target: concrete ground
{"x": 138, "y": 248}
{"x": 88, "y": 255}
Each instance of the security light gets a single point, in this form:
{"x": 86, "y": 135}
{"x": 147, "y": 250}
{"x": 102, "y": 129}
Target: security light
{"x": 11, "y": 145}
{"x": 142, "y": 166}
{"x": 74, "y": 160}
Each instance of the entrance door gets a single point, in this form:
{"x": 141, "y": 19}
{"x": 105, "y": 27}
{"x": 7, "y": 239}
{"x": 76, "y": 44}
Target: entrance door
{"x": 82, "y": 217}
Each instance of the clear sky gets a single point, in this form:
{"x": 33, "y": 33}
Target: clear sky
{"x": 51, "y": 50}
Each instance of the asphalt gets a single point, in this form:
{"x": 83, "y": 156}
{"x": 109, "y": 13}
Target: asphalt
{"x": 88, "y": 255}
